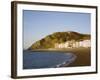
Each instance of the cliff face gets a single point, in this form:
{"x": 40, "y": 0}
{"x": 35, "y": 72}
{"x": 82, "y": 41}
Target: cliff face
{"x": 58, "y": 37}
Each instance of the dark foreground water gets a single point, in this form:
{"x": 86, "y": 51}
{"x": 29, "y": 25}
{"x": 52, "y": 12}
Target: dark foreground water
{"x": 45, "y": 59}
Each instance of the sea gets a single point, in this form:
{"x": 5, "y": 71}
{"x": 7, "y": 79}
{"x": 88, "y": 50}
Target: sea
{"x": 46, "y": 59}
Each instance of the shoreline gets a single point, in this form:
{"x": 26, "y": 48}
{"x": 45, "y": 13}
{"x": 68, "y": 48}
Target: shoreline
{"x": 57, "y": 49}
{"x": 83, "y": 55}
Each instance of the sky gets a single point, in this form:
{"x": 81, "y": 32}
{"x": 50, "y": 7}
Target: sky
{"x": 38, "y": 24}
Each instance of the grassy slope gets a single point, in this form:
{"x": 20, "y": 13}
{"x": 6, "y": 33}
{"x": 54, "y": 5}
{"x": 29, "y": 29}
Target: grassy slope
{"x": 58, "y": 37}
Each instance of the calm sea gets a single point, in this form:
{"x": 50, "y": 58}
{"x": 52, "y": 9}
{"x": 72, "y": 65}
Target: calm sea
{"x": 46, "y": 59}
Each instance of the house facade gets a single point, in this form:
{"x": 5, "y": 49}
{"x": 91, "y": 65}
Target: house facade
{"x": 74, "y": 44}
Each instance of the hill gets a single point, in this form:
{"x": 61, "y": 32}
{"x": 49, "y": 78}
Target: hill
{"x": 58, "y": 37}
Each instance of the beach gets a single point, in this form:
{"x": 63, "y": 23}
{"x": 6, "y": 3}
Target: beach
{"x": 83, "y": 55}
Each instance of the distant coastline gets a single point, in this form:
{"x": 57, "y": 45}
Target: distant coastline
{"x": 57, "y": 49}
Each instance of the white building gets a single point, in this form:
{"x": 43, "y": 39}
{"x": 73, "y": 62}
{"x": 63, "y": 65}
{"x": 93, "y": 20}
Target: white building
{"x": 74, "y": 44}
{"x": 86, "y": 43}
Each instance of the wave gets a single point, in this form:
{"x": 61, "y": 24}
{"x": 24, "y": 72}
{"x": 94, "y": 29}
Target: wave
{"x": 71, "y": 59}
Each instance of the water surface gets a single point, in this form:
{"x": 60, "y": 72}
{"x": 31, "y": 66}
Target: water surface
{"x": 46, "y": 59}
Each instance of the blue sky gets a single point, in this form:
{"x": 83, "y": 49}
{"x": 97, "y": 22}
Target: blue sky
{"x": 38, "y": 24}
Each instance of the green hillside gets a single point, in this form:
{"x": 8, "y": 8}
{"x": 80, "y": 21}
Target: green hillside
{"x": 58, "y": 37}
